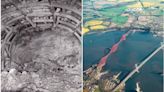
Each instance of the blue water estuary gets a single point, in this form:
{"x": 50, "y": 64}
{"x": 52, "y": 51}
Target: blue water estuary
{"x": 130, "y": 52}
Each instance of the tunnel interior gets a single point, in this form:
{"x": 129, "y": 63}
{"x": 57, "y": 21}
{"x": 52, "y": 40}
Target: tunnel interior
{"x": 40, "y": 45}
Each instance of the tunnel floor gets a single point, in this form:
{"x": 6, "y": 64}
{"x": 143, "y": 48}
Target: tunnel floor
{"x": 47, "y": 62}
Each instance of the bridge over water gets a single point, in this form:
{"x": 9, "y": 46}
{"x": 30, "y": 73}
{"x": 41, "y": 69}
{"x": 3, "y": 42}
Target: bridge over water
{"x": 137, "y": 68}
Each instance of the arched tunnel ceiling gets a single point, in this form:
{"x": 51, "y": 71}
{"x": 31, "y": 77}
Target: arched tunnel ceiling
{"x": 28, "y": 26}
{"x": 41, "y": 14}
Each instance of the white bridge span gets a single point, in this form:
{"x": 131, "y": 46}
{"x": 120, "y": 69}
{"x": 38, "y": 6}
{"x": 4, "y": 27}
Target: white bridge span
{"x": 137, "y": 68}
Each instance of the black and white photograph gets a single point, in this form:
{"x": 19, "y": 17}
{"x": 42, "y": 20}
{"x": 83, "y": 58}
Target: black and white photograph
{"x": 41, "y": 46}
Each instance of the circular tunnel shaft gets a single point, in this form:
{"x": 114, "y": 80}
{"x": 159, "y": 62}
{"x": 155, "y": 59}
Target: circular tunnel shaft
{"x": 41, "y": 45}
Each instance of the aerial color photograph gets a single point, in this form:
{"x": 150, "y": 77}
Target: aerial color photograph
{"x": 123, "y": 45}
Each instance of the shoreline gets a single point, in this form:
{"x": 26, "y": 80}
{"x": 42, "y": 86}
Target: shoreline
{"x": 134, "y": 29}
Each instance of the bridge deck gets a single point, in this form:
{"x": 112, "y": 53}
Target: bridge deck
{"x": 138, "y": 67}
